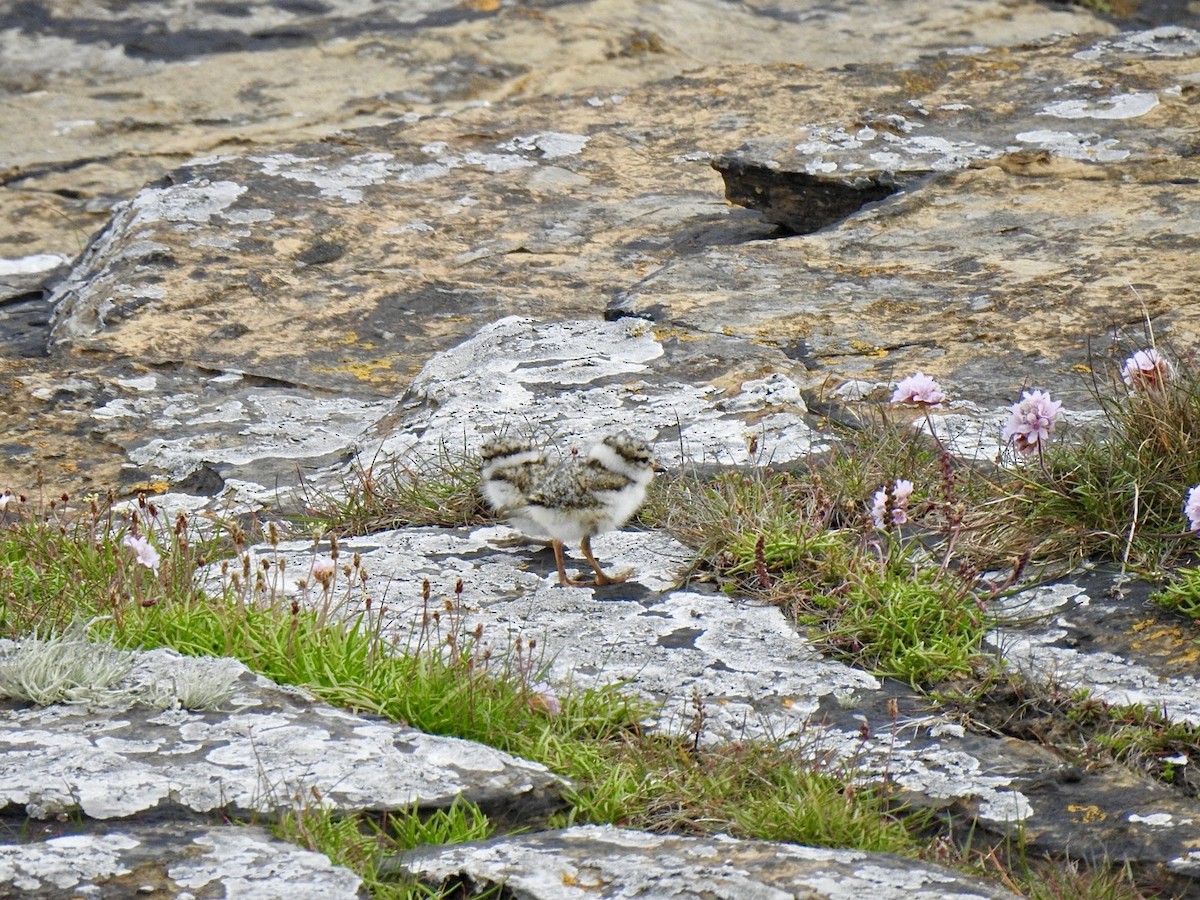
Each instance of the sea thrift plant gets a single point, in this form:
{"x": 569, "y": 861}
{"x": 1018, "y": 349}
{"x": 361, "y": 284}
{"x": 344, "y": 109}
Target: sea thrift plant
{"x": 1147, "y": 369}
{"x": 1030, "y": 422}
{"x": 1191, "y": 508}
{"x": 890, "y": 507}
{"x": 143, "y": 550}
{"x": 323, "y": 572}
{"x": 919, "y": 389}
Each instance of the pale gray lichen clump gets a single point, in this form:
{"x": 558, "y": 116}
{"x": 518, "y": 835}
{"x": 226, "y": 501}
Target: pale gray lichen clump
{"x": 71, "y": 668}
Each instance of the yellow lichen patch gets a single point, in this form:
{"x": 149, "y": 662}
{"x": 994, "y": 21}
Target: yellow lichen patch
{"x": 482, "y": 5}
{"x": 157, "y": 486}
{"x": 376, "y": 371}
{"x": 1188, "y": 657}
{"x": 666, "y": 333}
{"x": 1158, "y": 640}
{"x": 1081, "y": 368}
{"x": 871, "y": 351}
{"x": 1087, "y": 814}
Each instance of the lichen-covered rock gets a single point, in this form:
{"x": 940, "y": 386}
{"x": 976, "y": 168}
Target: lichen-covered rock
{"x": 968, "y": 114}
{"x": 267, "y": 750}
{"x": 618, "y": 864}
{"x": 170, "y": 859}
{"x": 343, "y": 266}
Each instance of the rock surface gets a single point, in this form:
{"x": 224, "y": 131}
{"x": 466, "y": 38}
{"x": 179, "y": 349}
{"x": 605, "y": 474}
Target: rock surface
{"x": 530, "y": 234}
{"x": 113, "y": 98}
{"x": 267, "y": 750}
{"x": 616, "y": 863}
{"x": 170, "y": 860}
{"x": 757, "y": 678}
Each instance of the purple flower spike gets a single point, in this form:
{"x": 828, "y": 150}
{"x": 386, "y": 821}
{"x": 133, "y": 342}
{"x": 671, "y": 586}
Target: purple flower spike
{"x": 920, "y": 389}
{"x": 1030, "y": 422}
{"x": 896, "y": 500}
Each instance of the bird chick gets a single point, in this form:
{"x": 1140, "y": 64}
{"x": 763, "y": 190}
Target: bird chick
{"x": 578, "y": 498}
{"x": 570, "y": 499}
{"x": 510, "y": 470}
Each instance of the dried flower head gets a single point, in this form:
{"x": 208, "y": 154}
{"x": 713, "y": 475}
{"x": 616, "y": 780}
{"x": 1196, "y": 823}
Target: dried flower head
{"x": 1147, "y": 369}
{"x": 920, "y": 389}
{"x": 143, "y": 550}
{"x": 1030, "y": 422}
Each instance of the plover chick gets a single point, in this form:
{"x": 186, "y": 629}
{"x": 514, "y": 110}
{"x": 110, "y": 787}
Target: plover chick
{"x": 577, "y": 498}
{"x": 511, "y": 468}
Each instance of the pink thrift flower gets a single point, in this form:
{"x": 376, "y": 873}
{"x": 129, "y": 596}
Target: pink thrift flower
{"x": 1147, "y": 369}
{"x": 919, "y": 388}
{"x": 143, "y": 550}
{"x": 324, "y": 570}
{"x": 543, "y": 698}
{"x": 895, "y": 500}
{"x": 1191, "y": 508}
{"x": 1030, "y": 421}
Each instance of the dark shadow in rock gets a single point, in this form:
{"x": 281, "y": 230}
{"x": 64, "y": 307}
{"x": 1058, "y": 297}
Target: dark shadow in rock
{"x": 798, "y": 202}
{"x": 204, "y": 481}
{"x": 24, "y": 324}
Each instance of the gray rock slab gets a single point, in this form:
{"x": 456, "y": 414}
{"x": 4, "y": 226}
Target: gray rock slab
{"x": 618, "y": 863}
{"x": 1121, "y": 649}
{"x": 173, "y": 859}
{"x": 267, "y": 750}
{"x": 1019, "y": 284}
{"x": 242, "y": 440}
{"x": 580, "y": 380}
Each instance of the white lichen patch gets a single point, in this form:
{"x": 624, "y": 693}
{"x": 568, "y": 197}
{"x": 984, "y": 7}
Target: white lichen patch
{"x": 1158, "y": 820}
{"x": 1107, "y": 676}
{"x": 1118, "y": 106}
{"x": 578, "y": 381}
{"x": 196, "y": 201}
{"x": 32, "y": 264}
{"x": 230, "y": 861}
{"x": 238, "y": 426}
{"x": 346, "y": 179}
{"x": 1168, "y": 41}
{"x": 548, "y": 144}
{"x": 63, "y": 863}
{"x": 248, "y": 863}
{"x": 1037, "y": 603}
{"x": 1072, "y": 145}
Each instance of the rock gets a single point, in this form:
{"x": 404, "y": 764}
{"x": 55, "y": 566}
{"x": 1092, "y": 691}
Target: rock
{"x": 182, "y": 860}
{"x": 263, "y": 753}
{"x": 609, "y": 862}
{"x": 362, "y": 257}
{"x": 967, "y": 117}
{"x": 531, "y": 235}
{"x": 111, "y": 100}
{"x": 1017, "y": 279}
